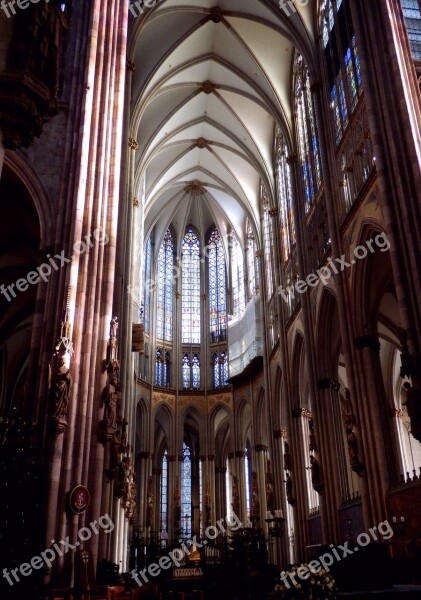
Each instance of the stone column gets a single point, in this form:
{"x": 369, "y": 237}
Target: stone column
{"x": 395, "y": 130}
{"x": 2, "y": 151}
{"x": 220, "y": 492}
{"x": 375, "y": 426}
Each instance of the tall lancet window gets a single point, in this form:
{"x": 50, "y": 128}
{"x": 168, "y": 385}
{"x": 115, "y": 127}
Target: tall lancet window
{"x": 412, "y": 14}
{"x": 162, "y": 367}
{"x": 164, "y": 492}
{"x": 217, "y": 288}
{"x": 268, "y": 245}
{"x": 252, "y": 263}
{"x": 186, "y": 492}
{"x": 285, "y": 199}
{"x": 237, "y": 274}
{"x": 307, "y": 134}
{"x": 165, "y": 287}
{"x": 191, "y": 371}
{"x": 190, "y": 255}
{"x": 342, "y": 61}
{"x": 147, "y": 278}
{"x": 220, "y": 368}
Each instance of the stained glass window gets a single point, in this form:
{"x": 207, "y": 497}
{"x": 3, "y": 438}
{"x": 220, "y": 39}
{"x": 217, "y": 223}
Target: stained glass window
{"x": 147, "y": 278}
{"x": 412, "y": 15}
{"x": 162, "y": 368}
{"x": 334, "y": 104}
{"x": 352, "y": 83}
{"x": 220, "y": 368}
{"x": 247, "y": 479}
{"x": 190, "y": 256}
{"x": 186, "y": 493}
{"x": 252, "y": 265}
{"x": 307, "y": 134}
{"x": 268, "y": 251}
{"x": 342, "y": 61}
{"x": 201, "y": 497}
{"x": 217, "y": 287}
{"x": 191, "y": 371}
{"x": 164, "y": 292}
{"x": 196, "y": 371}
{"x": 357, "y": 63}
{"x": 164, "y": 492}
{"x": 237, "y": 277}
{"x": 186, "y": 371}
{"x": 287, "y": 227}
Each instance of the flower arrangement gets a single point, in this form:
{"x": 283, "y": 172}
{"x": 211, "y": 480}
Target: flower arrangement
{"x": 309, "y": 585}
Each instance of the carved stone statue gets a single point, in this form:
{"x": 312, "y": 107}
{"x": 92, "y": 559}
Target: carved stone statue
{"x": 38, "y": 42}
{"x": 111, "y": 397}
{"x": 60, "y": 379}
{"x": 112, "y": 349}
{"x": 130, "y": 497}
{"x": 316, "y": 476}
{"x": 235, "y": 496}
{"x": 287, "y": 458}
{"x": 269, "y": 489}
{"x": 413, "y": 406}
{"x": 289, "y": 490}
{"x": 349, "y": 422}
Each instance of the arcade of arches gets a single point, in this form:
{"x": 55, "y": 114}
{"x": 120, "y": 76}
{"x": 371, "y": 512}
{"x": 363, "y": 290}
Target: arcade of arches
{"x": 210, "y": 280}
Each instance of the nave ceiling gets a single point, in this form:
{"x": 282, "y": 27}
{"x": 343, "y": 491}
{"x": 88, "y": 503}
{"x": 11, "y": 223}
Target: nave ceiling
{"x": 209, "y": 86}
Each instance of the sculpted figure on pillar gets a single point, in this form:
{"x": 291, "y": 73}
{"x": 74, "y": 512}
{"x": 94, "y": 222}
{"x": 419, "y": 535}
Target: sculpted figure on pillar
{"x": 39, "y": 40}
{"x": 112, "y": 348}
{"x": 60, "y": 381}
{"x": 287, "y": 458}
{"x": 349, "y": 422}
{"x": 111, "y": 397}
{"x": 255, "y": 504}
{"x": 316, "y": 476}
{"x": 270, "y": 505}
{"x": 235, "y": 496}
{"x": 130, "y": 497}
{"x": 413, "y": 406}
{"x": 289, "y": 490}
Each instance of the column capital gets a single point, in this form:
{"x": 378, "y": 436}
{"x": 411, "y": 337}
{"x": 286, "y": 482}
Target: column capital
{"x": 279, "y": 433}
{"x": 172, "y": 458}
{"x": 211, "y": 457}
{"x": 240, "y": 454}
{"x": 329, "y": 384}
{"x": 316, "y": 87}
{"x": 367, "y": 341}
{"x": 298, "y": 413}
{"x": 292, "y": 159}
{"x": 261, "y": 448}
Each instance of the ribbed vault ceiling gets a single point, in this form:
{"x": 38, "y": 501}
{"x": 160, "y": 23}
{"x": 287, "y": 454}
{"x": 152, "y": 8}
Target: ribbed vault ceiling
{"x": 210, "y": 84}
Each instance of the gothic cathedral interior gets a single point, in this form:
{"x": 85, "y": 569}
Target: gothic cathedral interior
{"x": 210, "y": 325}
